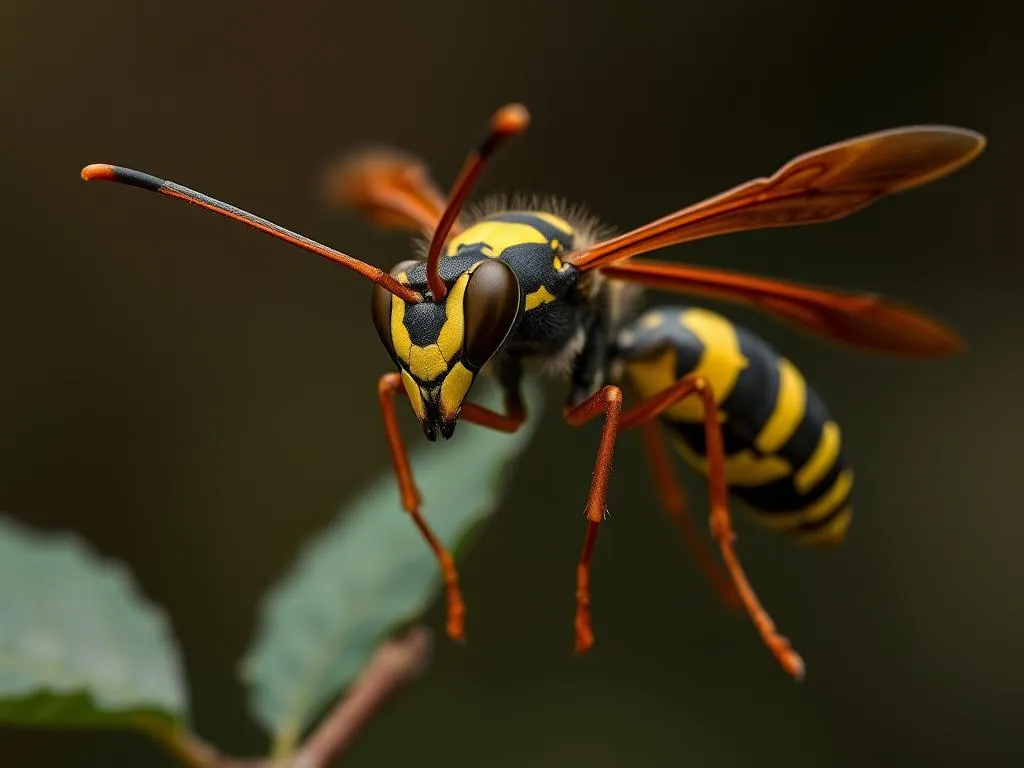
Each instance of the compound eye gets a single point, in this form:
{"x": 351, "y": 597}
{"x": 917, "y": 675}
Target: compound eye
{"x": 491, "y": 308}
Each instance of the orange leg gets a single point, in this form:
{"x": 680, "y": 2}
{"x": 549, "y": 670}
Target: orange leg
{"x": 673, "y": 500}
{"x": 609, "y": 401}
{"x": 388, "y": 385}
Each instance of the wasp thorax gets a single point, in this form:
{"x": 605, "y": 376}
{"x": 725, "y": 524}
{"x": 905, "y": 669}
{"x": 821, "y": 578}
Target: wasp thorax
{"x": 440, "y": 346}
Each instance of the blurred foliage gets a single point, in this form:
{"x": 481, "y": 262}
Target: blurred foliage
{"x": 369, "y": 571}
{"x": 79, "y": 646}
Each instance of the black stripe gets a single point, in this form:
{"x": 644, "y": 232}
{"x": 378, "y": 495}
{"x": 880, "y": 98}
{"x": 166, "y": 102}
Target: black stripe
{"x": 138, "y": 179}
{"x": 692, "y": 433}
{"x": 753, "y": 398}
{"x": 802, "y": 444}
{"x": 782, "y": 495}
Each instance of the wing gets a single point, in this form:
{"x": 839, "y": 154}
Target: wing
{"x": 861, "y": 320}
{"x": 392, "y": 188}
{"x": 823, "y": 185}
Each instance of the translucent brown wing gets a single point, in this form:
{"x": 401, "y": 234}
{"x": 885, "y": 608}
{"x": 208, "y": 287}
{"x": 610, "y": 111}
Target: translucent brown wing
{"x": 862, "y": 320}
{"x": 822, "y": 185}
{"x": 392, "y": 188}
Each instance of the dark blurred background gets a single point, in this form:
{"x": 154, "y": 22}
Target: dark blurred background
{"x": 198, "y": 400}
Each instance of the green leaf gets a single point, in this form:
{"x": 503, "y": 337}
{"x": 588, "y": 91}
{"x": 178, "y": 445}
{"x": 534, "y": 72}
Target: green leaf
{"x": 79, "y": 646}
{"x": 369, "y": 571}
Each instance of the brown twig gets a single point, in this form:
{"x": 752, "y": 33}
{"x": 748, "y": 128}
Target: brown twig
{"x": 395, "y": 664}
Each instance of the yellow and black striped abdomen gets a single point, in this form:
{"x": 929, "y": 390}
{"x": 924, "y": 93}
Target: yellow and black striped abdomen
{"x": 783, "y": 451}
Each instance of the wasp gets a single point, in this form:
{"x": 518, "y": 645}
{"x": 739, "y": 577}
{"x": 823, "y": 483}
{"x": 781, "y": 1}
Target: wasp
{"x": 538, "y": 287}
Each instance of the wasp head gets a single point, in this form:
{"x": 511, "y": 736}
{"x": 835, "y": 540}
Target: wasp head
{"x": 440, "y": 346}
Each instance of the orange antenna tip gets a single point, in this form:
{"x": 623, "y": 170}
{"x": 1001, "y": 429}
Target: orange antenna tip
{"x": 511, "y": 119}
{"x": 99, "y": 172}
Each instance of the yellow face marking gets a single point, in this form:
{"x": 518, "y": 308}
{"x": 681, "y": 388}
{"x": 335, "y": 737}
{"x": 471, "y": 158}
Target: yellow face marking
{"x": 497, "y": 236}
{"x": 454, "y": 388}
{"x": 541, "y": 296}
{"x": 399, "y": 333}
{"x": 821, "y": 461}
{"x": 744, "y": 468}
{"x": 415, "y": 398}
{"x": 427, "y": 363}
{"x": 789, "y": 409}
{"x": 555, "y": 221}
{"x": 832, "y": 533}
{"x": 449, "y": 340}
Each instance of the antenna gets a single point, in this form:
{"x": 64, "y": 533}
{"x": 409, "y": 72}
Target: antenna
{"x": 103, "y": 172}
{"x": 510, "y": 120}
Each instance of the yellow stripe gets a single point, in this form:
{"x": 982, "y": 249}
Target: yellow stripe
{"x": 743, "y": 468}
{"x": 789, "y": 409}
{"x": 821, "y": 461}
{"x": 832, "y": 533}
{"x": 787, "y": 521}
{"x": 498, "y": 235}
{"x": 399, "y": 333}
{"x": 449, "y": 340}
{"x": 720, "y": 363}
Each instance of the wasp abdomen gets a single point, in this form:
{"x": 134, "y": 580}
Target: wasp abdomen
{"x": 783, "y": 451}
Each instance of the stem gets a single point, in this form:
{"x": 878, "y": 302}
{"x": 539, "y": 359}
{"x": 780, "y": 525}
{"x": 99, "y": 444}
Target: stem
{"x": 394, "y": 665}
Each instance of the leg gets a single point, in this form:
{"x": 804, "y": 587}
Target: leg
{"x": 721, "y": 523}
{"x": 389, "y": 384}
{"x": 674, "y": 502}
{"x": 609, "y": 401}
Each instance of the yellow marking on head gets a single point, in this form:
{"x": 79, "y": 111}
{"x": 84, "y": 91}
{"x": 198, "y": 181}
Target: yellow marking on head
{"x": 821, "y": 461}
{"x": 789, "y": 410}
{"x": 541, "y": 296}
{"x": 557, "y": 264}
{"x": 403, "y": 277}
{"x": 450, "y": 339}
{"x": 427, "y": 363}
{"x": 743, "y": 468}
{"x": 555, "y": 221}
{"x": 818, "y": 510}
{"x": 831, "y": 533}
{"x": 399, "y": 333}
{"x": 454, "y": 388}
{"x": 497, "y": 235}
{"x": 415, "y": 398}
